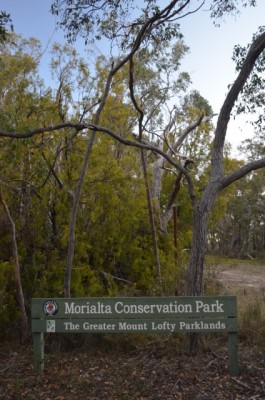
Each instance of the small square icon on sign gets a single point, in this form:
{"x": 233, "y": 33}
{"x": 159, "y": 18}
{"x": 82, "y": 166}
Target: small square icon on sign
{"x": 50, "y": 325}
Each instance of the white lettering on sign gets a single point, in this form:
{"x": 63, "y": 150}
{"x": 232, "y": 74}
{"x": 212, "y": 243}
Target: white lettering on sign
{"x": 209, "y": 308}
{"x": 122, "y": 307}
{"x": 125, "y": 326}
{"x": 171, "y": 308}
{"x": 98, "y": 308}
{"x": 164, "y": 326}
{"x": 70, "y": 326}
{"x": 200, "y": 325}
{"x": 87, "y": 326}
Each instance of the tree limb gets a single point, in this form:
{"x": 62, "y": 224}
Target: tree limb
{"x": 241, "y": 172}
{"x": 38, "y": 131}
{"x": 254, "y": 52}
{"x": 189, "y": 128}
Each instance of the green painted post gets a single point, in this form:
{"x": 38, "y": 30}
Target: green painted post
{"x": 38, "y": 351}
{"x": 233, "y": 353}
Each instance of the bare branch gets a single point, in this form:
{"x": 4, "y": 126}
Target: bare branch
{"x": 52, "y": 170}
{"x": 254, "y": 52}
{"x": 51, "y": 128}
{"x": 241, "y": 172}
{"x": 170, "y": 170}
{"x": 155, "y": 149}
{"x": 189, "y": 128}
{"x": 136, "y": 105}
{"x": 116, "y": 277}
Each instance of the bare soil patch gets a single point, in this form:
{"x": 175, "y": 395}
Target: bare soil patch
{"x": 244, "y": 279}
{"x": 242, "y": 275}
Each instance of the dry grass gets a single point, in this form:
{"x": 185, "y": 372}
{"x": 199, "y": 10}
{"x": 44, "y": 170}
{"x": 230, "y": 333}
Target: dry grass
{"x": 246, "y": 280}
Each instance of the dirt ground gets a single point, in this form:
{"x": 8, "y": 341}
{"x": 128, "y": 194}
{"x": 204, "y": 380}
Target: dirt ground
{"x": 112, "y": 368}
{"x": 241, "y": 276}
{"x": 159, "y": 370}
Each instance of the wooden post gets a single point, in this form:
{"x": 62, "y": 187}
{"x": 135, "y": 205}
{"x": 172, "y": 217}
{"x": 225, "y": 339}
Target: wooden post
{"x": 38, "y": 351}
{"x": 233, "y": 353}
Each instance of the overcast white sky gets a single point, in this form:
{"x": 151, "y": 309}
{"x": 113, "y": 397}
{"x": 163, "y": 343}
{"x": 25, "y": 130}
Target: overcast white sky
{"x": 209, "y": 62}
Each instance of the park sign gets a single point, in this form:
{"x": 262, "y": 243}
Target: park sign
{"x": 137, "y": 314}
{"x": 134, "y": 314}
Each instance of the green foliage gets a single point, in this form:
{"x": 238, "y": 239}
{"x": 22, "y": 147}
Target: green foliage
{"x": 5, "y": 23}
{"x": 220, "y": 8}
{"x": 113, "y": 242}
{"x": 239, "y": 232}
{"x": 8, "y": 305}
{"x": 251, "y": 100}
{"x": 254, "y": 148}
{"x": 122, "y": 21}
{"x": 113, "y": 250}
{"x": 222, "y": 203}
{"x": 111, "y": 20}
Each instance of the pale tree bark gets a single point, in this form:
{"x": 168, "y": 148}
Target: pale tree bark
{"x": 147, "y": 187}
{"x": 201, "y": 211}
{"x": 203, "y": 206}
{"x": 159, "y": 168}
{"x": 218, "y": 181}
{"x": 167, "y": 215}
{"x": 18, "y": 284}
{"x": 152, "y": 222}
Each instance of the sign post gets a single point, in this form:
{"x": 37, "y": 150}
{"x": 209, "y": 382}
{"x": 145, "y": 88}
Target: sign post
{"x": 134, "y": 314}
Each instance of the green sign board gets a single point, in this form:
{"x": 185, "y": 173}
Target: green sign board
{"x": 134, "y": 314}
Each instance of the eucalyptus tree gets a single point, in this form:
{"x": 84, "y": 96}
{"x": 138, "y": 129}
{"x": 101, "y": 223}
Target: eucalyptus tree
{"x": 22, "y": 105}
{"x": 137, "y": 40}
{"x": 241, "y": 231}
{"x": 76, "y": 17}
{"x": 126, "y": 37}
{"x": 140, "y": 33}
{"x": 32, "y": 181}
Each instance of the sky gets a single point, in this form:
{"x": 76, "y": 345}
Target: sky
{"x": 208, "y": 62}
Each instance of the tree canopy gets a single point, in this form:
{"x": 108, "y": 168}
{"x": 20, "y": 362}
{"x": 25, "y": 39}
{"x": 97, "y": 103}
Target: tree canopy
{"x": 119, "y": 156}
{"x": 5, "y": 25}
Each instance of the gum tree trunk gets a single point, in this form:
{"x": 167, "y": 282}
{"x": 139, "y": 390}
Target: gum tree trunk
{"x": 219, "y": 181}
{"x": 196, "y": 262}
{"x": 18, "y": 284}
{"x": 201, "y": 211}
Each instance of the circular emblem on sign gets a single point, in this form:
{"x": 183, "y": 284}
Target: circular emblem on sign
{"x": 50, "y": 307}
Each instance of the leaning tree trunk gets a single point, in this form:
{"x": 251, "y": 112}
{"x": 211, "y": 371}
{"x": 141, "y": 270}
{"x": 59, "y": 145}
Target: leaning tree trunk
{"x": 201, "y": 211}
{"x": 152, "y": 222}
{"x": 18, "y": 284}
{"x": 77, "y": 194}
{"x": 196, "y": 261}
{"x": 72, "y": 223}
{"x": 196, "y": 266}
